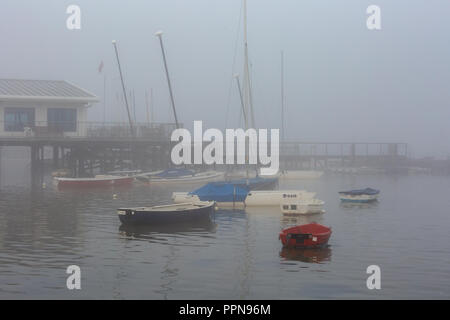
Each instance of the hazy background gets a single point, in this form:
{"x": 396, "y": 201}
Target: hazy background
{"x": 342, "y": 81}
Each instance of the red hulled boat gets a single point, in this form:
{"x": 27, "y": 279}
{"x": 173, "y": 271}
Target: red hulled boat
{"x": 311, "y": 235}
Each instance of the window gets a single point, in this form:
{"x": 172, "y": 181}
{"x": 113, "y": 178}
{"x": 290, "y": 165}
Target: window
{"x": 285, "y": 207}
{"x": 16, "y": 119}
{"x": 62, "y": 119}
{"x": 293, "y": 207}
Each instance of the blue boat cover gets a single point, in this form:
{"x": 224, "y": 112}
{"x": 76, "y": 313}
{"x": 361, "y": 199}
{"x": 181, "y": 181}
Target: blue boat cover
{"x": 221, "y": 192}
{"x": 174, "y": 173}
{"x": 358, "y": 192}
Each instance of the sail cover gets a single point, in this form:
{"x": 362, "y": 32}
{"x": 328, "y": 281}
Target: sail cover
{"x": 221, "y": 192}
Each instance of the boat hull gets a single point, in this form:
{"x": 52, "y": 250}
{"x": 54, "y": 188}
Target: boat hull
{"x": 254, "y": 198}
{"x": 93, "y": 182}
{"x": 359, "y": 198}
{"x": 274, "y": 198}
{"x": 135, "y": 216}
{"x": 312, "y": 206}
{"x": 311, "y": 235}
{"x": 201, "y": 177}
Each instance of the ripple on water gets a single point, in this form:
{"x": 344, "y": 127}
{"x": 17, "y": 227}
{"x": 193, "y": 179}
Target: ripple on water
{"x": 237, "y": 256}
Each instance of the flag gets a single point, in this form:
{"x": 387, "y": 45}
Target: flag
{"x": 100, "y": 67}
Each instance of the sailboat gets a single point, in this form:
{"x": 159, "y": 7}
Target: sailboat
{"x": 247, "y": 110}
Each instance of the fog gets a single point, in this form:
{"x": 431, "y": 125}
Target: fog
{"x": 343, "y": 82}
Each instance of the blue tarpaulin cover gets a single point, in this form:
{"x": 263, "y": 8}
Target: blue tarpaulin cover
{"x": 221, "y": 192}
{"x": 174, "y": 173}
{"x": 358, "y": 192}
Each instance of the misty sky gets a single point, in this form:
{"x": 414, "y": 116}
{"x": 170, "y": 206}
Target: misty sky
{"x": 342, "y": 81}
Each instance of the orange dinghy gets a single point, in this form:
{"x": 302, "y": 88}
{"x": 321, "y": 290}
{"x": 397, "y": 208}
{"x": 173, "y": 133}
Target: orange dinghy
{"x": 311, "y": 235}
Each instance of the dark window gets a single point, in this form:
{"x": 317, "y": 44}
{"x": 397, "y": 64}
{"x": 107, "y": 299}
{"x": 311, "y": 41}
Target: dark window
{"x": 61, "y": 119}
{"x": 293, "y": 207}
{"x": 18, "y": 118}
{"x": 285, "y": 207}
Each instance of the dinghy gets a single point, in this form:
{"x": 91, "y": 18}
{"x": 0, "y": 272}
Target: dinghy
{"x": 311, "y": 235}
{"x": 173, "y": 213}
{"x": 359, "y": 195}
{"x": 97, "y": 181}
{"x": 301, "y": 206}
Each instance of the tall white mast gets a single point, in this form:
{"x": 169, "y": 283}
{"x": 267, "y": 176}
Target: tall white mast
{"x": 246, "y": 80}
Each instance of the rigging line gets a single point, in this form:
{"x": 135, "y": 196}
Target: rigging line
{"x": 232, "y": 68}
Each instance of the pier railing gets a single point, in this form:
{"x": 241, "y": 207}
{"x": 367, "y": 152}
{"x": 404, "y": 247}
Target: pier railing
{"x": 85, "y": 129}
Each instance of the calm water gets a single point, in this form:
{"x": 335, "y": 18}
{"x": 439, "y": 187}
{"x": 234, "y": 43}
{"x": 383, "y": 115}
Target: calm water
{"x": 42, "y": 231}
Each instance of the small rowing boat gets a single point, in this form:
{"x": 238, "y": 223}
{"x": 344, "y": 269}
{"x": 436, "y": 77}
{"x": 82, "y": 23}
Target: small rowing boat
{"x": 359, "y": 195}
{"x": 97, "y": 181}
{"x": 173, "y": 213}
{"x": 311, "y": 235}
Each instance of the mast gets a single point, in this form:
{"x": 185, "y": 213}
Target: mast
{"x": 104, "y": 98}
{"x": 282, "y": 96}
{"x": 123, "y": 88}
{"x": 246, "y": 93}
{"x": 147, "y": 105}
{"x": 159, "y": 35}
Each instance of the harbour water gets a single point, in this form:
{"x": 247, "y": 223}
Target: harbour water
{"x": 43, "y": 231}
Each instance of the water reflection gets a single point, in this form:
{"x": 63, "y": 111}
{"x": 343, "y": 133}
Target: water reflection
{"x": 358, "y": 205}
{"x": 289, "y": 221}
{"x": 147, "y": 231}
{"x": 306, "y": 255}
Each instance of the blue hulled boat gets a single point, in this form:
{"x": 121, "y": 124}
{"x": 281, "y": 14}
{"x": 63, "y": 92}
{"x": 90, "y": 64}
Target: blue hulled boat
{"x": 359, "y": 195}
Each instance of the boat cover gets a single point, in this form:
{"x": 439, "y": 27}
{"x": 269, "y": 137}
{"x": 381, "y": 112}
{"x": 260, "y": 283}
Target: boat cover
{"x": 175, "y": 172}
{"x": 221, "y": 192}
{"x": 359, "y": 192}
{"x": 253, "y": 182}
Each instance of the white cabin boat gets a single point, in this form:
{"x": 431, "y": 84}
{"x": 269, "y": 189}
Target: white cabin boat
{"x": 291, "y": 207}
{"x": 275, "y": 197}
{"x": 253, "y": 199}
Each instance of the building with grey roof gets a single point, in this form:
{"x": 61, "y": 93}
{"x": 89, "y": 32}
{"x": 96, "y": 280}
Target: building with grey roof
{"x": 40, "y": 107}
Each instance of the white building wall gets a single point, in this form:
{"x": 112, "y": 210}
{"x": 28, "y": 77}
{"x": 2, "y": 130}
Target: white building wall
{"x": 40, "y": 116}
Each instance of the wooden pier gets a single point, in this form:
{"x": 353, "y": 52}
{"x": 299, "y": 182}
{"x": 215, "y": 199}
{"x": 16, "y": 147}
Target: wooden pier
{"x": 106, "y": 147}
